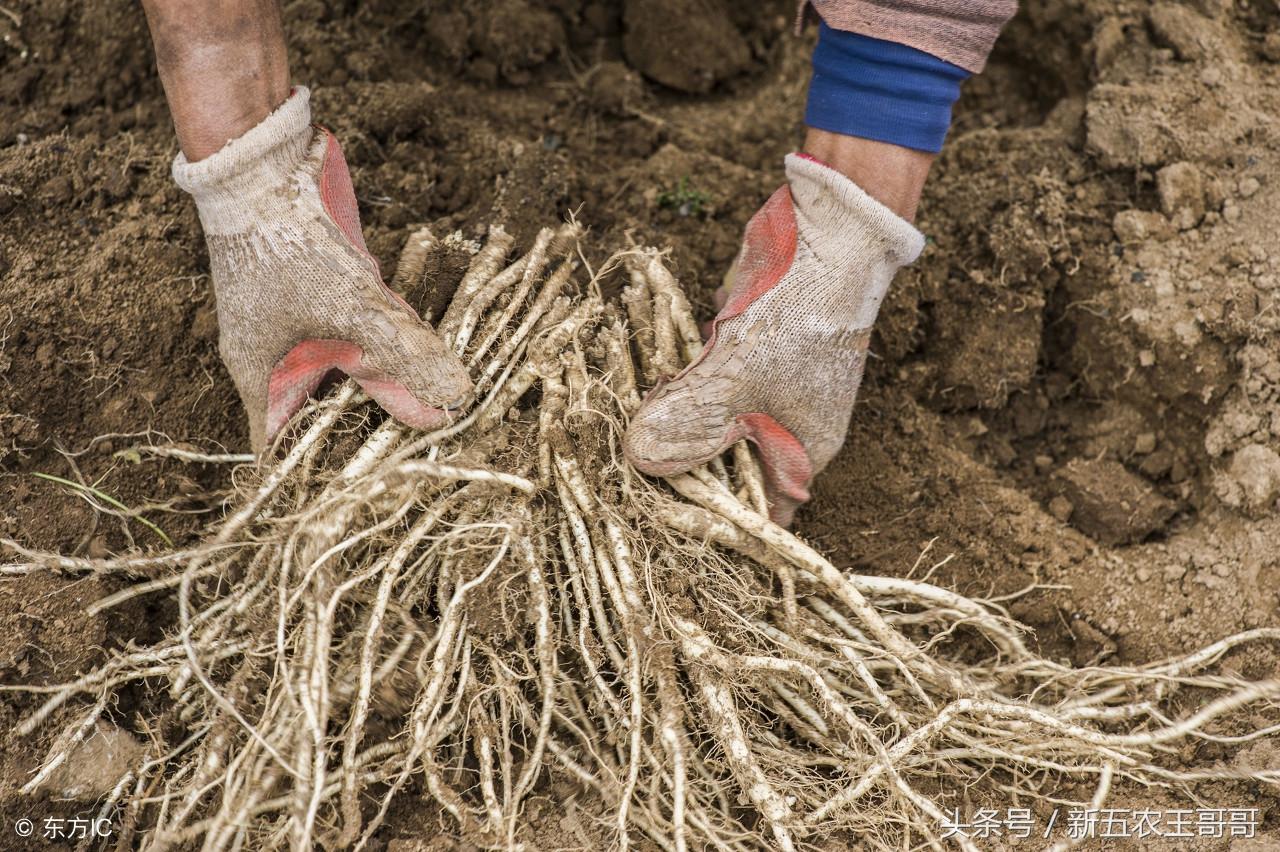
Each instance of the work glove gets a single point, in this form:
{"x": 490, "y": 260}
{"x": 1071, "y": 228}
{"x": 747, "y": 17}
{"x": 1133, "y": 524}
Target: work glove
{"x": 298, "y": 293}
{"x": 785, "y": 355}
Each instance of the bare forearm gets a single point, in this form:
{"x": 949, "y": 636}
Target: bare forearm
{"x": 223, "y": 64}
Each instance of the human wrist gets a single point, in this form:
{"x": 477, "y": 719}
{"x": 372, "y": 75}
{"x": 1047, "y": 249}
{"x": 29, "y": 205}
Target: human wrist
{"x": 249, "y": 165}
{"x": 891, "y": 174}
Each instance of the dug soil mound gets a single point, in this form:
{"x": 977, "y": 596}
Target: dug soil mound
{"x": 1076, "y": 388}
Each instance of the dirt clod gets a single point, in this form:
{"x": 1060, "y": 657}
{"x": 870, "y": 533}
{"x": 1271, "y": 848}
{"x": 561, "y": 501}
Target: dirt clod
{"x": 1144, "y": 444}
{"x": 1183, "y": 29}
{"x": 689, "y": 45}
{"x": 1252, "y": 480}
{"x": 1112, "y": 505}
{"x": 1137, "y": 226}
{"x": 1182, "y": 194}
{"x": 516, "y": 35}
{"x": 94, "y": 766}
{"x": 613, "y": 88}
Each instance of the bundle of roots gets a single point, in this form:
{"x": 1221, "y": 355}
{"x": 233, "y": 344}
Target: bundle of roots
{"x": 477, "y": 614}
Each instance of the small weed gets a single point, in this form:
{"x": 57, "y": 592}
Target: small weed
{"x": 106, "y": 498}
{"x": 684, "y": 199}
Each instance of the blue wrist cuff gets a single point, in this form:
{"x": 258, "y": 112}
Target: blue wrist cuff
{"x": 881, "y": 90}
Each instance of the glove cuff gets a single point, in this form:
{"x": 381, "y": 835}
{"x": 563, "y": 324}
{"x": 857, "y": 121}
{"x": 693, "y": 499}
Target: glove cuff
{"x": 258, "y": 161}
{"x": 828, "y": 199}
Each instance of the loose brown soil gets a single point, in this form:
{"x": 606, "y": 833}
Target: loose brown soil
{"x": 1078, "y": 384}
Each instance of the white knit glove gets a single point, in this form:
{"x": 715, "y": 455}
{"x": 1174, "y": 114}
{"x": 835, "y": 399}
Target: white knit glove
{"x": 785, "y": 358}
{"x": 298, "y": 293}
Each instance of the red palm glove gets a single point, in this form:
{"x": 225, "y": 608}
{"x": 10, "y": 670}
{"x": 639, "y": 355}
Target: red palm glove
{"x": 786, "y": 353}
{"x": 298, "y": 293}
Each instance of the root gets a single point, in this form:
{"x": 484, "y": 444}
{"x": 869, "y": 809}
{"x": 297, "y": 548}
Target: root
{"x": 504, "y": 603}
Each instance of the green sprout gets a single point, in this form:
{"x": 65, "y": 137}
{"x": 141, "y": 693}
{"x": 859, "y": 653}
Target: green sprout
{"x": 685, "y": 200}
{"x": 106, "y": 498}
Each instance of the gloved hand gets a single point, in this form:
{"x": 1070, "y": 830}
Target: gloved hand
{"x": 785, "y": 356}
{"x": 298, "y": 292}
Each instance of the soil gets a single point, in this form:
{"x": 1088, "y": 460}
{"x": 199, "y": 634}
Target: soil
{"x": 1077, "y": 386}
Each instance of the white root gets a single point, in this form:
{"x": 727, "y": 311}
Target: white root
{"x": 484, "y": 265}
{"x": 504, "y": 602}
{"x": 413, "y": 260}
